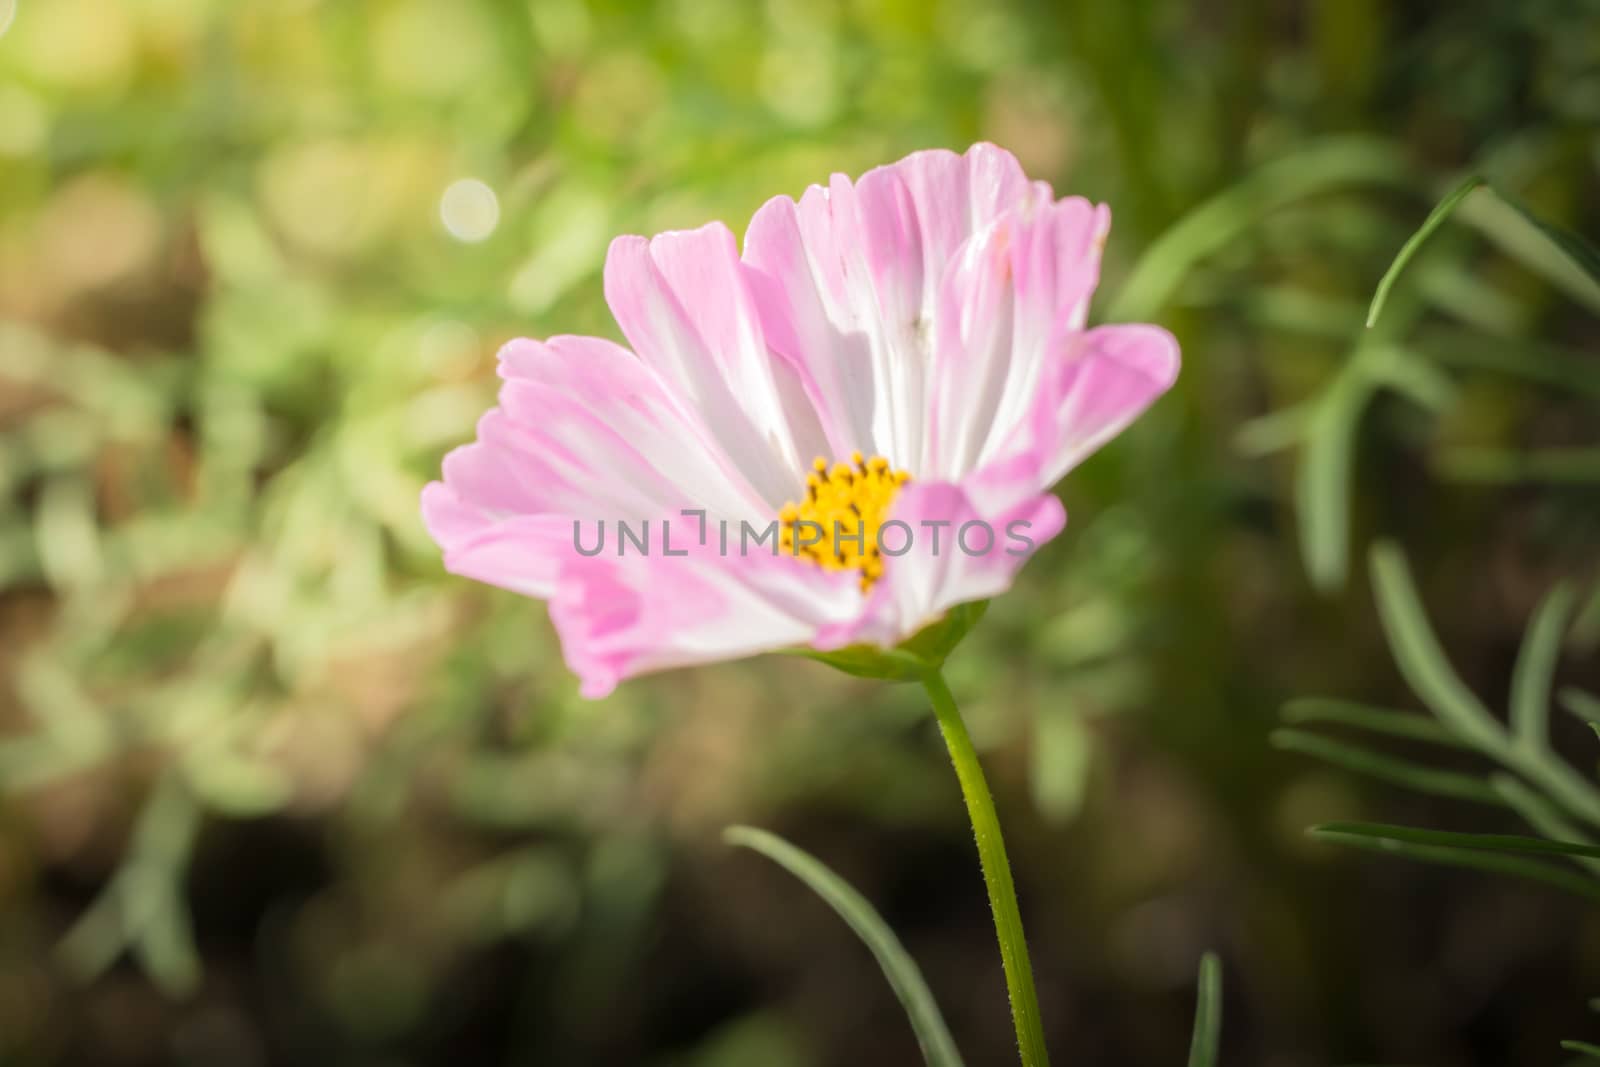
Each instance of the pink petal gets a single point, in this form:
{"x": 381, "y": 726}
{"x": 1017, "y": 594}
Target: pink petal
{"x": 848, "y": 279}
{"x": 967, "y": 541}
{"x": 583, "y": 430}
{"x": 1013, "y": 291}
{"x": 523, "y": 553}
{"x": 592, "y": 425}
{"x": 621, "y": 617}
{"x": 813, "y": 320}
{"x": 1110, "y": 375}
{"x": 957, "y": 196}
{"x": 683, "y": 300}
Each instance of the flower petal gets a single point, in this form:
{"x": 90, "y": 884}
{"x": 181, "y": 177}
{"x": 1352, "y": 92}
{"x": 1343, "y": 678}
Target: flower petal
{"x": 603, "y": 436}
{"x": 621, "y": 617}
{"x": 963, "y": 542}
{"x": 583, "y": 431}
{"x": 523, "y": 553}
{"x": 684, "y": 303}
{"x": 1011, "y": 294}
{"x": 1109, "y": 377}
{"x": 848, "y": 279}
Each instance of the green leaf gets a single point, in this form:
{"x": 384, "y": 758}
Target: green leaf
{"x": 1207, "y": 1014}
{"x": 143, "y": 908}
{"x": 1400, "y": 772}
{"x": 1434, "y": 220}
{"x": 1274, "y": 431}
{"x": 1585, "y": 706}
{"x": 1536, "y": 667}
{"x": 1543, "y": 364}
{"x": 1419, "y": 657}
{"x": 938, "y": 1049}
{"x": 1583, "y": 255}
{"x": 1411, "y": 726}
{"x": 164, "y": 942}
{"x": 1317, "y": 168}
{"x": 1499, "y": 466}
{"x": 1582, "y": 1048}
{"x": 1453, "y": 839}
{"x": 1322, "y": 480}
{"x": 1062, "y": 752}
{"x": 1560, "y": 256}
{"x": 1474, "y": 859}
{"x": 1413, "y": 376}
{"x": 1546, "y": 818}
{"x": 912, "y": 659}
{"x": 933, "y": 644}
{"x": 868, "y": 661}
{"x": 1584, "y": 636}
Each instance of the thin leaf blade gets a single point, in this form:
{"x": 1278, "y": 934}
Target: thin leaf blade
{"x": 1404, "y": 773}
{"x": 1307, "y": 711}
{"x": 1420, "y": 658}
{"x": 1207, "y": 1036}
{"x": 938, "y": 1048}
{"x": 1454, "y": 839}
{"x": 1535, "y": 669}
{"x": 1441, "y": 211}
{"x": 1472, "y": 859}
{"x": 1582, "y": 705}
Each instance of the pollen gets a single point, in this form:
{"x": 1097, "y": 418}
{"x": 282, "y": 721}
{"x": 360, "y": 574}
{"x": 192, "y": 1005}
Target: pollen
{"x": 836, "y": 523}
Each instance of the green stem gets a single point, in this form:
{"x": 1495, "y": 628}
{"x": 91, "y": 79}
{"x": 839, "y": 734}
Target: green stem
{"x": 996, "y": 872}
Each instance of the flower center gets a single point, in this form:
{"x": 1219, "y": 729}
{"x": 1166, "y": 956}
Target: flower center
{"x": 836, "y": 525}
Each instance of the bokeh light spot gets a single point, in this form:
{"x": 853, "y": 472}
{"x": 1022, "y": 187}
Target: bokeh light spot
{"x": 469, "y": 210}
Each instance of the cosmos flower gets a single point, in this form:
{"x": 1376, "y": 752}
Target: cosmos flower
{"x": 904, "y": 354}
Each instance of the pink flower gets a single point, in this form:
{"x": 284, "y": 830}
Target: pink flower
{"x": 930, "y": 315}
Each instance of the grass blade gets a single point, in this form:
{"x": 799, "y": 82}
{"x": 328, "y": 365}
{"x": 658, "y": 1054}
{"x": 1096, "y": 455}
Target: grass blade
{"x": 1559, "y": 256}
{"x": 938, "y": 1048}
{"x": 1452, "y": 839}
{"x": 1542, "y": 815}
{"x": 1586, "y": 706}
{"x": 1435, "y": 219}
{"x": 1207, "y": 1014}
{"x": 1543, "y": 364}
{"x": 1536, "y": 668}
{"x": 1389, "y": 769}
{"x": 1217, "y": 223}
{"x": 1322, "y": 480}
{"x": 1499, "y": 466}
{"x": 1274, "y": 431}
{"x": 1584, "y": 635}
{"x": 1473, "y": 859}
{"x": 1419, "y": 657}
{"x": 1404, "y": 724}
{"x": 1582, "y": 254}
{"x": 1413, "y": 376}
{"x": 1582, "y": 1048}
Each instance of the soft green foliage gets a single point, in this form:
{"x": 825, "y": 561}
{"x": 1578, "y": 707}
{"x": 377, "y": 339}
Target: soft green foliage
{"x": 1547, "y": 791}
{"x": 257, "y": 747}
{"x": 938, "y": 1049}
{"x": 1543, "y": 790}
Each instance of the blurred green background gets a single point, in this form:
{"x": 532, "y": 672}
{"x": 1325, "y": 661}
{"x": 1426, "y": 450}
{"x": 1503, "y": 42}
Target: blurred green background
{"x": 279, "y": 791}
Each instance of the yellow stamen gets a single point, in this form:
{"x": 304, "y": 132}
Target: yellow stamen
{"x": 836, "y": 523}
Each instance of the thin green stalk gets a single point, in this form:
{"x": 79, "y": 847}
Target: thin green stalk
{"x": 996, "y": 872}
